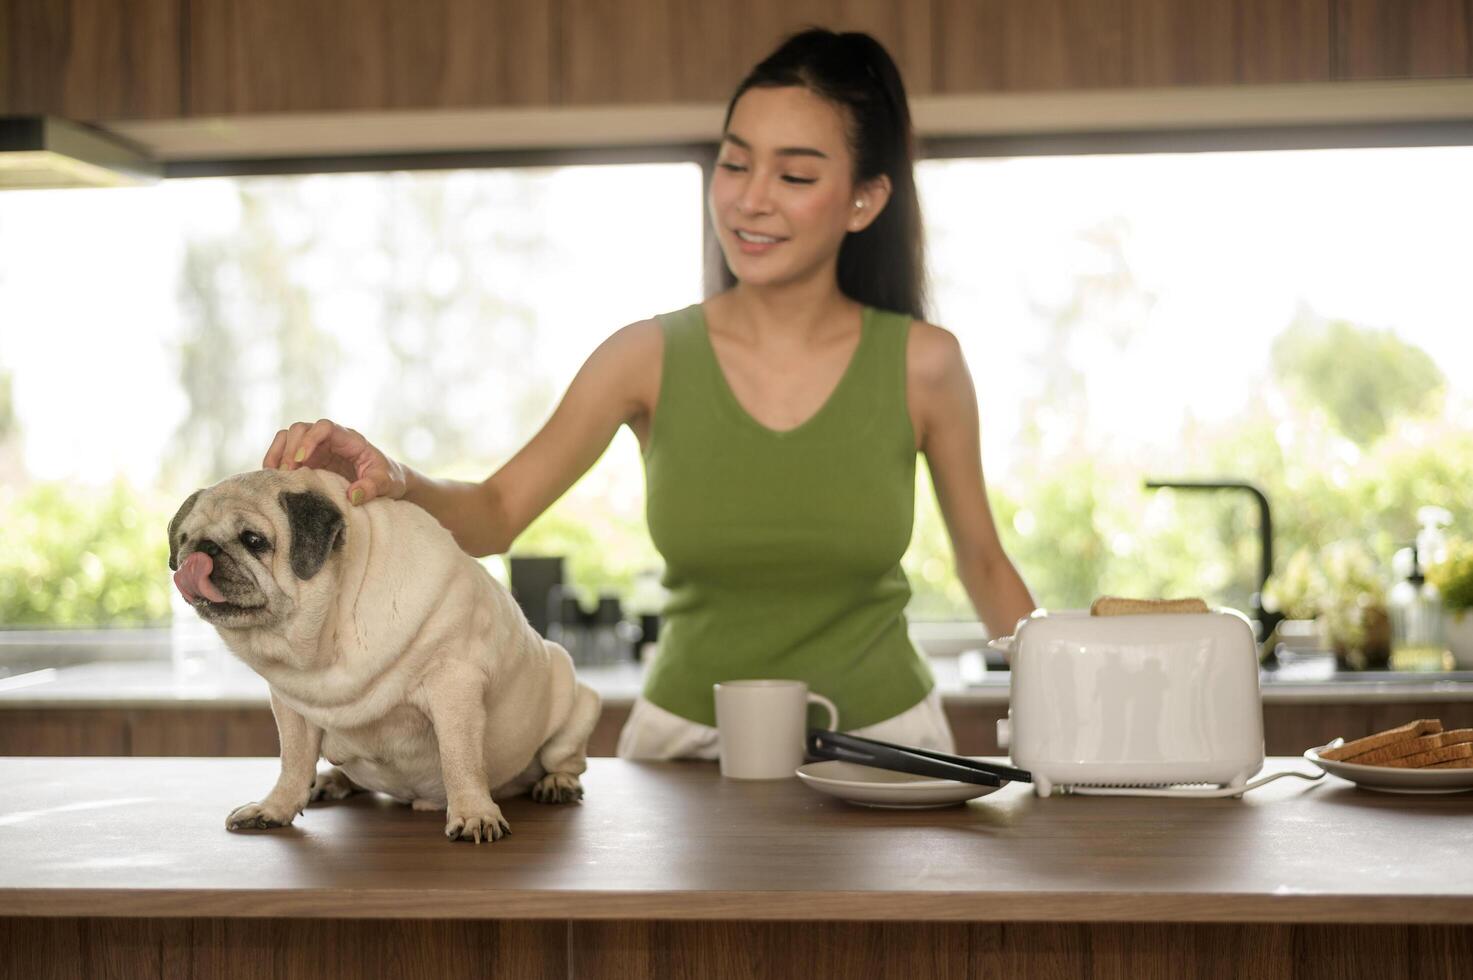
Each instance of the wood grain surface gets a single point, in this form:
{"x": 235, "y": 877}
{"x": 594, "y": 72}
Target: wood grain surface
{"x": 255, "y": 56}
{"x": 275, "y": 949}
{"x": 1402, "y": 39}
{"x": 88, "y": 60}
{"x": 679, "y": 50}
{"x": 1247, "y": 41}
{"x": 162, "y": 59}
{"x": 1288, "y": 727}
{"x": 146, "y": 838}
{"x": 995, "y": 45}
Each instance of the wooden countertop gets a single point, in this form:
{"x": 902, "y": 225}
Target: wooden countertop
{"x": 129, "y": 837}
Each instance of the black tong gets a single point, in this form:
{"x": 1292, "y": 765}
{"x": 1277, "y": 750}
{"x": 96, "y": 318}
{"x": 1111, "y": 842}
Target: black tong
{"x": 823, "y": 744}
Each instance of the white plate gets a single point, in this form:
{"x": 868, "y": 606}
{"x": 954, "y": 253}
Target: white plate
{"x": 1390, "y": 779}
{"x": 869, "y": 786}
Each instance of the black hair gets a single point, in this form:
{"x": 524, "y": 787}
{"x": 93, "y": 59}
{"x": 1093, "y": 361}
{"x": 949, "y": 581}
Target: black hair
{"x": 883, "y": 265}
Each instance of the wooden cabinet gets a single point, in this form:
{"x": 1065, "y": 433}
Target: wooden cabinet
{"x": 163, "y": 731}
{"x": 258, "y": 56}
{"x": 90, "y": 60}
{"x": 105, "y": 60}
{"x": 182, "y": 731}
{"x": 1288, "y": 729}
{"x": 1169, "y": 42}
{"x": 1000, "y": 45}
{"x": 1403, "y": 39}
{"x": 65, "y": 731}
{"x": 686, "y": 50}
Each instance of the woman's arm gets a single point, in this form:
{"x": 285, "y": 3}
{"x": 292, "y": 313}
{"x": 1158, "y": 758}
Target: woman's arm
{"x": 618, "y": 384}
{"x": 943, "y": 408}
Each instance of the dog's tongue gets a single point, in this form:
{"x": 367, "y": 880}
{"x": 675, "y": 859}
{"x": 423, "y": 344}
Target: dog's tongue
{"x": 193, "y": 578}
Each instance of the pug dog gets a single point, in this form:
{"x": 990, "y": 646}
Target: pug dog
{"x": 387, "y": 649}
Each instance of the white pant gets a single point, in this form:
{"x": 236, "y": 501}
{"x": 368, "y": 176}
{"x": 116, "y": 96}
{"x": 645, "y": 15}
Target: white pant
{"x": 654, "y": 733}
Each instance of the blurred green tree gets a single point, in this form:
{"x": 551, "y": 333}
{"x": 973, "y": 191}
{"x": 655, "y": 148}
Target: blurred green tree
{"x": 8, "y": 425}
{"x": 1363, "y": 379}
{"x": 80, "y": 558}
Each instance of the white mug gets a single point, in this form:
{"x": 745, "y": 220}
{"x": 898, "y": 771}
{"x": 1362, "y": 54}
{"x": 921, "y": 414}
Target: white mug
{"x": 762, "y": 726}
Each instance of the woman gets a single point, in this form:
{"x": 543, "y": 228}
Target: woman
{"x": 779, "y": 420}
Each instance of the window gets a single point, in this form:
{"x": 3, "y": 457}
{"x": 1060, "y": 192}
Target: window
{"x": 153, "y": 341}
{"x": 1296, "y": 318}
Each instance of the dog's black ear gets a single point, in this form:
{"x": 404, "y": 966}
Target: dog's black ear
{"x": 175, "y": 542}
{"x": 317, "y": 528}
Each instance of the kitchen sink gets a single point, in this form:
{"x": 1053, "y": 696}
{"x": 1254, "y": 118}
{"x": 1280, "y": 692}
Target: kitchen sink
{"x": 1320, "y": 667}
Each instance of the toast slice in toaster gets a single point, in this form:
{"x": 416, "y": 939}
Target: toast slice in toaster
{"x": 1109, "y": 605}
{"x": 1412, "y": 729}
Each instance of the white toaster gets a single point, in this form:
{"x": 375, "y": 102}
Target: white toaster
{"x": 1154, "y": 700}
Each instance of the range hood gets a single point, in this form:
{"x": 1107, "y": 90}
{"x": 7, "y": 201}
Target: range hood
{"x": 43, "y": 152}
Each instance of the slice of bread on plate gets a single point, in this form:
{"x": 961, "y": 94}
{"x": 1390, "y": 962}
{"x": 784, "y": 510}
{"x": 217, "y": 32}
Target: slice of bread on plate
{"x": 1381, "y": 740}
{"x": 1442, "y": 756}
{"x": 1391, "y": 755}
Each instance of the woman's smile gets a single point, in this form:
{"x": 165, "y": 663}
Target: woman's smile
{"x": 756, "y": 243}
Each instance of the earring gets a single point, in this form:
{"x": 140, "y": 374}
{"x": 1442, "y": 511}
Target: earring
{"x": 859, "y": 204}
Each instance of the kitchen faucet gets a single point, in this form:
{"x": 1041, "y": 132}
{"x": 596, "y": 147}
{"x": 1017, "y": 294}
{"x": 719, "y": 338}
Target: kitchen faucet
{"x": 1266, "y": 621}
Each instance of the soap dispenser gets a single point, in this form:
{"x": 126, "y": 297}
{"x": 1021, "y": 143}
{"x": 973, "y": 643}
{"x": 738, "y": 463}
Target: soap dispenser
{"x": 1431, "y": 542}
{"x": 1417, "y": 638}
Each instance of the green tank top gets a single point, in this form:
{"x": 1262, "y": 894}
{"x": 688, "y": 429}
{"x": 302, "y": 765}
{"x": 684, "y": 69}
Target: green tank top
{"x": 782, "y": 549}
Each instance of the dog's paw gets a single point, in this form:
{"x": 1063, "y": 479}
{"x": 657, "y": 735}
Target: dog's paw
{"x": 481, "y": 820}
{"x": 558, "y": 787}
{"x": 260, "y": 816}
{"x": 333, "y": 784}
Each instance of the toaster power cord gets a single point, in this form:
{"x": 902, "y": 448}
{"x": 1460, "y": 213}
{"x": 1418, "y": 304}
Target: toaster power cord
{"x": 1220, "y": 792}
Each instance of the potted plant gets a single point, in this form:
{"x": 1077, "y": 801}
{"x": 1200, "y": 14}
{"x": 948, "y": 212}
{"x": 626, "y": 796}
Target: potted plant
{"x": 1454, "y": 579}
{"x": 1341, "y": 588}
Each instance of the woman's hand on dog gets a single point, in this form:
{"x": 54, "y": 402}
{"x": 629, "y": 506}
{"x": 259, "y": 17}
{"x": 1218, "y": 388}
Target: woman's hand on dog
{"x": 325, "y": 445}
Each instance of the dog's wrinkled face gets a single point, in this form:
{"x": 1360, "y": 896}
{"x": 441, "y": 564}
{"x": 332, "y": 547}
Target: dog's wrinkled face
{"x": 242, "y": 550}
